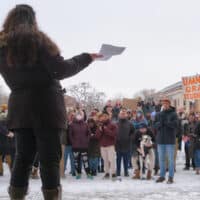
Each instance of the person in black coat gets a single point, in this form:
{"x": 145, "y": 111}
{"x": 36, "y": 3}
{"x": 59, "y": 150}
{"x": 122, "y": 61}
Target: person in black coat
{"x": 32, "y": 67}
{"x": 166, "y": 123}
{"x": 123, "y": 143}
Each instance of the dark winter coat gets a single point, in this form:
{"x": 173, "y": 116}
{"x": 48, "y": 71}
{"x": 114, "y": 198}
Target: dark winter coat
{"x": 3, "y": 137}
{"x": 94, "y": 147}
{"x": 166, "y": 123}
{"x": 125, "y": 133}
{"x": 64, "y": 137}
{"x": 7, "y": 145}
{"x": 107, "y": 136}
{"x": 79, "y": 135}
{"x": 36, "y": 99}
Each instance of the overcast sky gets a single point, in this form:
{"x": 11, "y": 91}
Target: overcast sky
{"x": 162, "y": 39}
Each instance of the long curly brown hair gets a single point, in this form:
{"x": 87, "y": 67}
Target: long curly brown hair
{"x": 22, "y": 37}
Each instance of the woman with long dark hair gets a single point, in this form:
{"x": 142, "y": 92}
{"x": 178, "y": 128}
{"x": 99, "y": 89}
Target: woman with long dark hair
{"x": 31, "y": 65}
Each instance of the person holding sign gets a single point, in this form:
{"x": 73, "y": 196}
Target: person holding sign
{"x": 31, "y": 65}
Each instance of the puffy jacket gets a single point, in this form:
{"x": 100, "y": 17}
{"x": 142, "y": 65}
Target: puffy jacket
{"x": 79, "y": 135}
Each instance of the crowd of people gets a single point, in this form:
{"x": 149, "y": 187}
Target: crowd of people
{"x": 144, "y": 141}
{"x": 36, "y": 132}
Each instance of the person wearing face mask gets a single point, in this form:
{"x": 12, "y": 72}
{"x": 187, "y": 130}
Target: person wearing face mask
{"x": 106, "y": 134}
{"x": 123, "y": 143}
{"x": 166, "y": 124}
{"x": 79, "y": 136}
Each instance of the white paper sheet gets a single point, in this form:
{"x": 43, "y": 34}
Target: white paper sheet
{"x": 108, "y": 51}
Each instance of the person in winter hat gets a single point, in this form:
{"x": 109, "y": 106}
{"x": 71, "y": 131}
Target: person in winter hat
{"x": 140, "y": 119}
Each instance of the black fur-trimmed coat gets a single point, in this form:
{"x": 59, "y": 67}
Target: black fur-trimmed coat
{"x": 36, "y": 99}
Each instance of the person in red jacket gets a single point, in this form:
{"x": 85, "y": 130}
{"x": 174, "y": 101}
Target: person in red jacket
{"x": 106, "y": 133}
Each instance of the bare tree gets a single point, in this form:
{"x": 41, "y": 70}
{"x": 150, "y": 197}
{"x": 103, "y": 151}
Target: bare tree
{"x": 85, "y": 94}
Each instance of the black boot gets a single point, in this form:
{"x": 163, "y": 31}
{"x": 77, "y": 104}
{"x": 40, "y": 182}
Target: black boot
{"x": 186, "y": 168}
{"x": 126, "y": 174}
{"x": 170, "y": 180}
{"x": 156, "y": 169}
{"x": 99, "y": 169}
{"x": 17, "y": 193}
{"x": 53, "y": 194}
{"x": 94, "y": 173}
{"x": 102, "y": 169}
{"x": 160, "y": 180}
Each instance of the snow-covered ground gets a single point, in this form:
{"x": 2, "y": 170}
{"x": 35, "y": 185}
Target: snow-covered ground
{"x": 186, "y": 187}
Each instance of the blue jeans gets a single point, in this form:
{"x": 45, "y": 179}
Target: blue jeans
{"x": 93, "y": 163}
{"x": 188, "y": 157}
{"x": 197, "y": 158}
{"x": 125, "y": 157}
{"x": 166, "y": 151}
{"x": 68, "y": 153}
